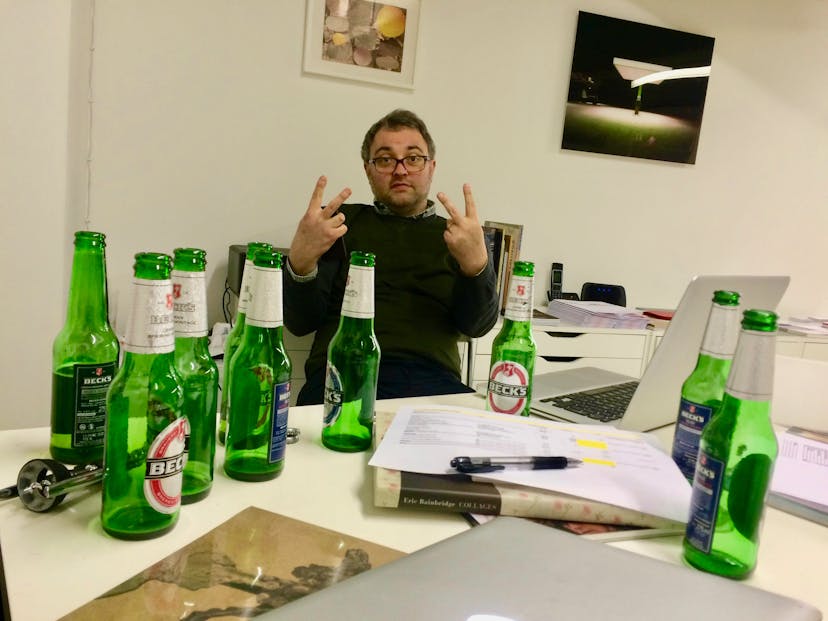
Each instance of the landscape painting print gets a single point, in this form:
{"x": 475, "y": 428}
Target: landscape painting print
{"x": 636, "y": 90}
{"x": 362, "y": 40}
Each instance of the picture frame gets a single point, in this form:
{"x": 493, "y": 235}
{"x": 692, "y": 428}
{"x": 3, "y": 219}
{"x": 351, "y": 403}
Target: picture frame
{"x": 361, "y": 40}
{"x": 636, "y": 90}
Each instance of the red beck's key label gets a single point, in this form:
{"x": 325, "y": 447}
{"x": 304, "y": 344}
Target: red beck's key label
{"x": 508, "y": 387}
{"x": 165, "y": 463}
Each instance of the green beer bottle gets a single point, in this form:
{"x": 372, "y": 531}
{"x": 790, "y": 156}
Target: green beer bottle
{"x": 144, "y": 452}
{"x": 736, "y": 456}
{"x": 513, "y": 350}
{"x": 231, "y": 344}
{"x": 84, "y": 359}
{"x": 701, "y": 392}
{"x": 353, "y": 364}
{"x": 259, "y": 389}
{"x": 198, "y": 371}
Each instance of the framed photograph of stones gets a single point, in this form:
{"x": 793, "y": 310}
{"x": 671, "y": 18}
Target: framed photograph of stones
{"x": 362, "y": 40}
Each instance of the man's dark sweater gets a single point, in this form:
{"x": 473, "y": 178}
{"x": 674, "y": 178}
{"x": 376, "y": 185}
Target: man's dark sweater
{"x": 423, "y": 304}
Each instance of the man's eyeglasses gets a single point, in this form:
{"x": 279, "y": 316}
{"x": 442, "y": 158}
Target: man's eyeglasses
{"x": 412, "y": 163}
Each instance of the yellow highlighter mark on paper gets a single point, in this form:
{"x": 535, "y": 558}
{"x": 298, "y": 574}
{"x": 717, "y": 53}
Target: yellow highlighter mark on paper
{"x": 595, "y": 444}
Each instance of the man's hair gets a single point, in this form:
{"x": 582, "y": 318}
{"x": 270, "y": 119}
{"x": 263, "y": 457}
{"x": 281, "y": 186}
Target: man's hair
{"x": 394, "y": 120}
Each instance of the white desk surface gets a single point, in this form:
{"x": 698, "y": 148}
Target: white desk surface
{"x": 55, "y": 562}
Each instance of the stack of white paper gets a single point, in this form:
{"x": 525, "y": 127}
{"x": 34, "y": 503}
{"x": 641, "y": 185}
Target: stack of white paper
{"x": 597, "y": 314}
{"x": 620, "y": 468}
{"x": 805, "y": 325}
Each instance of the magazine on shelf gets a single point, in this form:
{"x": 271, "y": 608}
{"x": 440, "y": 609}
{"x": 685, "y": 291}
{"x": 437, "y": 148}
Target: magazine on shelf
{"x": 512, "y": 235}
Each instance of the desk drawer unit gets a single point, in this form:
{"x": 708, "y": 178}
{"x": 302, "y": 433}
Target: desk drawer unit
{"x": 623, "y": 351}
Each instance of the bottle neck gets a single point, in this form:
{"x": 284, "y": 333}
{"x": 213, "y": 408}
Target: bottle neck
{"x": 356, "y": 324}
{"x": 87, "y": 303}
{"x": 722, "y": 332}
{"x": 751, "y": 376}
{"x": 192, "y": 346}
{"x": 708, "y": 365}
{"x": 144, "y": 363}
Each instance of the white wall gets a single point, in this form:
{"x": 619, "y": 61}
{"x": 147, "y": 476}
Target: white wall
{"x": 206, "y": 132}
{"x": 34, "y": 53}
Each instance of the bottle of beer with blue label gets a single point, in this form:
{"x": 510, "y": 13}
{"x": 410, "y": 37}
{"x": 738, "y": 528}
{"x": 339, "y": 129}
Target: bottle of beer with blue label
{"x": 144, "y": 452}
{"x": 701, "y": 393}
{"x": 84, "y": 359}
{"x": 353, "y": 363}
{"x": 231, "y": 344}
{"x": 513, "y": 351}
{"x": 259, "y": 389}
{"x": 198, "y": 371}
{"x": 736, "y": 455}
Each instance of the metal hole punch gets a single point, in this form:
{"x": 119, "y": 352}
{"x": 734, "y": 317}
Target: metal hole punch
{"x": 42, "y": 484}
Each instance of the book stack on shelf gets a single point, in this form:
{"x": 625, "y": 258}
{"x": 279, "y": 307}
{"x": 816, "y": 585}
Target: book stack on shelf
{"x": 503, "y": 240}
{"x": 461, "y": 493}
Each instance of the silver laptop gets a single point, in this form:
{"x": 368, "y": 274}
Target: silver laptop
{"x": 652, "y": 401}
{"x": 512, "y": 569}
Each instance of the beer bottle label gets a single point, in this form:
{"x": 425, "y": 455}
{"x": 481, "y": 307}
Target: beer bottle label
{"x": 519, "y": 301}
{"x": 265, "y": 309}
{"x": 358, "y": 300}
{"x": 91, "y": 383}
{"x": 151, "y": 328}
{"x": 691, "y": 421}
{"x": 278, "y": 431}
{"x": 704, "y": 502}
{"x": 189, "y": 294}
{"x": 164, "y": 465}
{"x": 244, "y": 292}
{"x": 333, "y": 396}
{"x": 508, "y": 387}
{"x": 752, "y": 378}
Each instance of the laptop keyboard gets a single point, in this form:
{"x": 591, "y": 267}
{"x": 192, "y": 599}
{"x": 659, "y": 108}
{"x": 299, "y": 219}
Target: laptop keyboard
{"x": 602, "y": 404}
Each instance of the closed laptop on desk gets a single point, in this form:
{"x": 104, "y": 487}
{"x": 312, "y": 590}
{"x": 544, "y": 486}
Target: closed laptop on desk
{"x": 516, "y": 570}
{"x": 594, "y": 396}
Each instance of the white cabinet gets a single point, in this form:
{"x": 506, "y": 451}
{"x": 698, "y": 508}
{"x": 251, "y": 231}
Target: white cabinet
{"x": 564, "y": 346}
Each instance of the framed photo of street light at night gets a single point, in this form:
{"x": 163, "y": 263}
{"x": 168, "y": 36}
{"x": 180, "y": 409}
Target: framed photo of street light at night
{"x": 636, "y": 90}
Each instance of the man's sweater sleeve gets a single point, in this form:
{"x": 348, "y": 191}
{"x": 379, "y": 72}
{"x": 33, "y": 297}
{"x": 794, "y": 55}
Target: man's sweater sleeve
{"x": 306, "y": 303}
{"x": 475, "y": 305}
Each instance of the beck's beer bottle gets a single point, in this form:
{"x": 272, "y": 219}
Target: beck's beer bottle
{"x": 234, "y": 338}
{"x": 198, "y": 371}
{"x": 701, "y": 392}
{"x": 736, "y": 455}
{"x": 84, "y": 359}
{"x": 259, "y": 389}
{"x": 513, "y": 351}
{"x": 353, "y": 363}
{"x": 144, "y": 453}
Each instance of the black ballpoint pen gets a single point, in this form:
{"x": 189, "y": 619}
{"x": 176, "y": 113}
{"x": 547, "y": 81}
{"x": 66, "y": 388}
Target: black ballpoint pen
{"x": 490, "y": 464}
